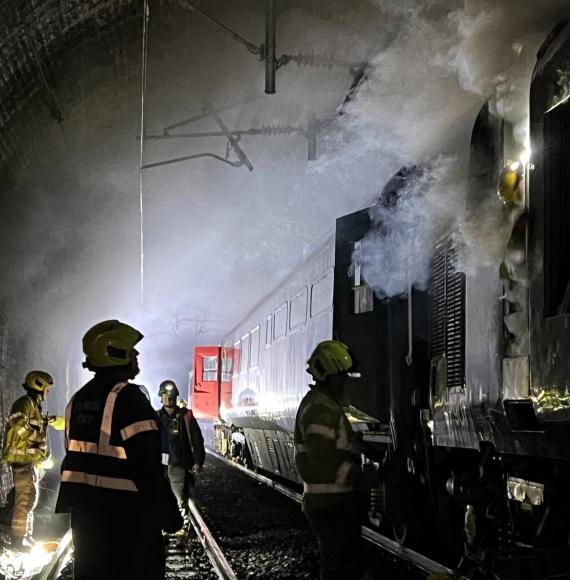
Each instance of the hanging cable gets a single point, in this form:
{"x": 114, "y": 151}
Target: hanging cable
{"x": 141, "y": 158}
{"x": 250, "y": 46}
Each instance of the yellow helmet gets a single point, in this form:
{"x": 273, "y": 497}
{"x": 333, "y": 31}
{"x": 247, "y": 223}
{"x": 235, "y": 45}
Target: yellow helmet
{"x": 110, "y": 344}
{"x": 38, "y": 381}
{"x": 329, "y": 358}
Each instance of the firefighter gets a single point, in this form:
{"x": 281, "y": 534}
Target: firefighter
{"x": 112, "y": 481}
{"x": 183, "y": 442}
{"x": 25, "y": 450}
{"x": 327, "y": 455}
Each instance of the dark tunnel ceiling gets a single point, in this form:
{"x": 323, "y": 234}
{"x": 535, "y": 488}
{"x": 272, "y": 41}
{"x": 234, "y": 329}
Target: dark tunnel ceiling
{"x": 35, "y": 35}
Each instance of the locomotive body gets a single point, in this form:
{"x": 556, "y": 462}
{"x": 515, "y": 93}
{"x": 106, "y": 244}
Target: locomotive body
{"x": 463, "y": 402}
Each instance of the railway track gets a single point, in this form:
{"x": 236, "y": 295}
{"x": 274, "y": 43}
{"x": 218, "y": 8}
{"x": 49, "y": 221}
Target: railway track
{"x": 211, "y": 548}
{"x": 182, "y": 561}
{"x": 412, "y": 558}
{"x": 198, "y": 555}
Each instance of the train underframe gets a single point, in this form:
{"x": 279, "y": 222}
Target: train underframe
{"x": 499, "y": 515}
{"x": 486, "y": 514}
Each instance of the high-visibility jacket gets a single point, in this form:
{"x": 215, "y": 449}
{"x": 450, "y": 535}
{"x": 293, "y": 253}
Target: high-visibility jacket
{"x": 25, "y": 438}
{"x": 181, "y": 437}
{"x": 327, "y": 454}
{"x": 113, "y": 451}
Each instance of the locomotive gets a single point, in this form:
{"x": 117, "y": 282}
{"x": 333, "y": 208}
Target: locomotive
{"x": 464, "y": 403}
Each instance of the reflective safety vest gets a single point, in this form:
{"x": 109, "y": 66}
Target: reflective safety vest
{"x": 25, "y": 438}
{"x": 181, "y": 437}
{"x": 95, "y": 438}
{"x": 327, "y": 454}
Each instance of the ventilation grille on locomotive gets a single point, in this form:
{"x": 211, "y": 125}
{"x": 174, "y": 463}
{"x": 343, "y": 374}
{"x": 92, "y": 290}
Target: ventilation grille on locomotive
{"x": 272, "y": 446}
{"x": 447, "y": 289}
{"x": 290, "y": 451}
{"x": 257, "y": 454}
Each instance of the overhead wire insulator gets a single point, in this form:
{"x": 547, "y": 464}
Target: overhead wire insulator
{"x": 323, "y": 61}
{"x": 280, "y": 130}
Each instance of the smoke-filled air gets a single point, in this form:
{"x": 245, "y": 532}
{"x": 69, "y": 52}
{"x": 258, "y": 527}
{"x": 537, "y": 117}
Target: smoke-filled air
{"x": 216, "y": 237}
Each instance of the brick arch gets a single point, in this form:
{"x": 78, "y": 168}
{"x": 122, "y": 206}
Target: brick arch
{"x": 34, "y": 36}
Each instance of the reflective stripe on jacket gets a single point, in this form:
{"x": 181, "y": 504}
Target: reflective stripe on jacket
{"x": 25, "y": 438}
{"x": 113, "y": 460}
{"x": 327, "y": 454}
{"x": 96, "y": 436}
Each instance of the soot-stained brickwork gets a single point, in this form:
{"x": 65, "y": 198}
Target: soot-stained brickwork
{"x": 34, "y": 36}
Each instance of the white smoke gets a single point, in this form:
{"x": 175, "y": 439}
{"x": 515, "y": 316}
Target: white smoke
{"x": 496, "y": 52}
{"x": 421, "y": 101}
{"x": 396, "y": 251}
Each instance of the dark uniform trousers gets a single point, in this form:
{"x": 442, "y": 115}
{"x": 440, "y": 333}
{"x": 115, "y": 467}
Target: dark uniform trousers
{"x": 123, "y": 547}
{"x": 182, "y": 440}
{"x": 181, "y": 480}
{"x": 335, "y": 519}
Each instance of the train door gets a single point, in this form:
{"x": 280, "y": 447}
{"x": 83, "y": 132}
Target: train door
{"x": 206, "y": 387}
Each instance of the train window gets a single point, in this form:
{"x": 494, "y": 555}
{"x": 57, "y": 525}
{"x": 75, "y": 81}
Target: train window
{"x": 322, "y": 294}
{"x": 254, "y": 349}
{"x": 226, "y": 368}
{"x": 557, "y": 210}
{"x": 209, "y": 368}
{"x": 237, "y": 357}
{"x": 268, "y": 330}
{"x": 244, "y": 353}
{"x": 298, "y": 310}
{"x": 280, "y": 322}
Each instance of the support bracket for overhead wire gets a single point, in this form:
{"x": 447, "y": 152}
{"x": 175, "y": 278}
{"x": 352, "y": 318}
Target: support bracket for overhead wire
{"x": 233, "y": 136}
{"x": 232, "y": 144}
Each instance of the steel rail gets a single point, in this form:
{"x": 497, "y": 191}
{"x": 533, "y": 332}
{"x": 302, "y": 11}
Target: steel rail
{"x": 418, "y": 560}
{"x": 56, "y": 564}
{"x": 215, "y": 555}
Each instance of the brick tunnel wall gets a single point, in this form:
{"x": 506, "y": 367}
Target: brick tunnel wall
{"x": 34, "y": 36}
{"x": 5, "y": 475}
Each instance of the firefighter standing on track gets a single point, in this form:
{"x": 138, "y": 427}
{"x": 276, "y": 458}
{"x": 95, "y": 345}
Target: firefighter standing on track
{"x": 112, "y": 479}
{"x": 183, "y": 442}
{"x": 25, "y": 449}
{"x": 327, "y": 456}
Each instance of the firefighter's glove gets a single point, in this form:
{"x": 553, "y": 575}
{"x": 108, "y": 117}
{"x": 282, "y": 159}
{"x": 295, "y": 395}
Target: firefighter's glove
{"x": 57, "y": 422}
